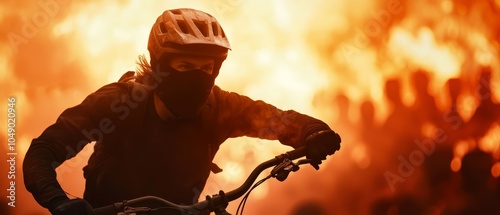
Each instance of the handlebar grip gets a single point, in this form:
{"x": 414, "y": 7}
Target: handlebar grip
{"x": 297, "y": 153}
{"x": 106, "y": 210}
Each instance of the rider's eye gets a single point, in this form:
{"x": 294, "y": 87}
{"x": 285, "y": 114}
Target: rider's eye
{"x": 184, "y": 67}
{"x": 208, "y": 69}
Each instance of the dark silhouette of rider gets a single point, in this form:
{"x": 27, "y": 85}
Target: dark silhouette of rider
{"x": 157, "y": 130}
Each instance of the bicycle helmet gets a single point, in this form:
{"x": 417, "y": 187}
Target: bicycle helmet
{"x": 187, "y": 31}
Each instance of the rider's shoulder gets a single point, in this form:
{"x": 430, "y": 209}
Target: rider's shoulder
{"x": 220, "y": 93}
{"x": 114, "y": 100}
{"x": 119, "y": 92}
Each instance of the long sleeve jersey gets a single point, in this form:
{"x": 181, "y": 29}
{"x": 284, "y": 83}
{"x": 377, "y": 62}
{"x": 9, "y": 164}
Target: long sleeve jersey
{"x": 137, "y": 153}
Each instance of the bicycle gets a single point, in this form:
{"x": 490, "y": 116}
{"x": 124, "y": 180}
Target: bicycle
{"x": 217, "y": 203}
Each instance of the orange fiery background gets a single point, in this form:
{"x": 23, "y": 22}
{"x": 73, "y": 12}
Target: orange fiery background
{"x": 294, "y": 54}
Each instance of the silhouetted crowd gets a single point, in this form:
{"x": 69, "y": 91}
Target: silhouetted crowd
{"x": 422, "y": 158}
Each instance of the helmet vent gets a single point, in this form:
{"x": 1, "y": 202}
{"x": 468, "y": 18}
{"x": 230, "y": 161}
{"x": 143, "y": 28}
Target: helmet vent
{"x": 202, "y": 27}
{"x": 223, "y": 34}
{"x": 163, "y": 29}
{"x": 176, "y": 12}
{"x": 215, "y": 29}
{"x": 183, "y": 26}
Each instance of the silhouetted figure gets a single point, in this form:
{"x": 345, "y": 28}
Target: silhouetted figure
{"x": 367, "y": 124}
{"x": 476, "y": 172}
{"x": 486, "y": 114}
{"x": 438, "y": 165}
{"x": 453, "y": 123}
{"x": 372, "y": 136}
{"x": 342, "y": 120}
{"x": 477, "y": 184}
{"x": 399, "y": 205}
{"x": 424, "y": 106}
{"x": 369, "y": 130}
{"x": 309, "y": 208}
{"x": 400, "y": 127}
{"x": 438, "y": 177}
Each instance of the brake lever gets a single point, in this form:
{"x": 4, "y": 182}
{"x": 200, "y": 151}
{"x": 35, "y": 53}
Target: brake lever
{"x": 304, "y": 161}
{"x": 282, "y": 170}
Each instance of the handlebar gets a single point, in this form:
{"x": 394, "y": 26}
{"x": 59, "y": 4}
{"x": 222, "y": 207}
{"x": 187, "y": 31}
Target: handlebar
{"x": 291, "y": 155}
{"x": 211, "y": 203}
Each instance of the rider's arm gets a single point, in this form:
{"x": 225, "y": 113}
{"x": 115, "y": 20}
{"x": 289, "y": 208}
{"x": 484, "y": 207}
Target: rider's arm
{"x": 63, "y": 140}
{"x": 246, "y": 117}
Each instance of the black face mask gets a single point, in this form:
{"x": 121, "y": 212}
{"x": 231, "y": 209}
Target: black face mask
{"x": 183, "y": 93}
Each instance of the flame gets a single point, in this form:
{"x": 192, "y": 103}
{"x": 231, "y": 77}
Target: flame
{"x": 425, "y": 52}
{"x": 490, "y": 142}
{"x": 286, "y": 54}
{"x": 456, "y": 164}
{"x": 495, "y": 170}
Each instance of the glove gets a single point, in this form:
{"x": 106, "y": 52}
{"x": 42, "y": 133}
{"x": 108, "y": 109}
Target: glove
{"x": 321, "y": 144}
{"x": 73, "y": 207}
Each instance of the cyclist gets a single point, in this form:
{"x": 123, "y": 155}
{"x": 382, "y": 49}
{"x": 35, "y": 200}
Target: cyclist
{"x": 157, "y": 131}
